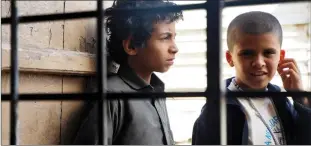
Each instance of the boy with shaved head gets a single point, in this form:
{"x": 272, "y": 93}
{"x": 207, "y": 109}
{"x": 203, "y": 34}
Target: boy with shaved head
{"x": 254, "y": 40}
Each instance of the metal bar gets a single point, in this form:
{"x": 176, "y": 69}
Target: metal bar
{"x": 258, "y": 2}
{"x": 309, "y": 98}
{"x": 101, "y": 75}
{"x": 94, "y": 96}
{"x": 52, "y": 17}
{"x": 213, "y": 83}
{"x": 14, "y": 74}
{"x": 213, "y": 65}
{"x": 130, "y": 95}
{"x": 90, "y": 14}
{"x": 175, "y": 8}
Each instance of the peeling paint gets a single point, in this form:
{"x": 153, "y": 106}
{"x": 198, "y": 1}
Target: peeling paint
{"x": 33, "y": 56}
{"x": 9, "y": 10}
{"x": 50, "y": 37}
{"x": 82, "y": 41}
{"x": 63, "y": 27}
{"x": 61, "y": 116}
{"x": 31, "y": 28}
{"x": 91, "y": 45}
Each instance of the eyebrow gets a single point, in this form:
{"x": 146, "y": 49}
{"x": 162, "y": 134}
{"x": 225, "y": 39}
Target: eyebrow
{"x": 252, "y": 50}
{"x": 263, "y": 49}
{"x": 168, "y": 33}
{"x": 270, "y": 49}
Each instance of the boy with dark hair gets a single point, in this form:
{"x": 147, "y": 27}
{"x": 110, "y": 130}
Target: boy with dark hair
{"x": 254, "y": 40}
{"x": 140, "y": 44}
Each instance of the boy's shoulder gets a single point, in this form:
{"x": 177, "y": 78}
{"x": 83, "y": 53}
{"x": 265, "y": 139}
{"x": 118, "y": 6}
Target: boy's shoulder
{"x": 116, "y": 84}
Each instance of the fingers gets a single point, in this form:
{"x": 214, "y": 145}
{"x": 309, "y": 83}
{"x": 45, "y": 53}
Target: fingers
{"x": 290, "y": 73}
{"x": 285, "y": 60}
{"x": 288, "y": 63}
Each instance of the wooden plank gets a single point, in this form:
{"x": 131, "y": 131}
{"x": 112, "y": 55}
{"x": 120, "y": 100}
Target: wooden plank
{"x": 39, "y": 121}
{"x": 51, "y": 61}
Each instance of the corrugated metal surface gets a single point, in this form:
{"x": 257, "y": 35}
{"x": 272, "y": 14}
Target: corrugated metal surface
{"x": 189, "y": 73}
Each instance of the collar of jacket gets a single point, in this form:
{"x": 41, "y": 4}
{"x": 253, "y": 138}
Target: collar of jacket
{"x": 128, "y": 75}
{"x": 286, "y": 111}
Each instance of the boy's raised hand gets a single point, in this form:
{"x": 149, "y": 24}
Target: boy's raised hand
{"x": 289, "y": 72}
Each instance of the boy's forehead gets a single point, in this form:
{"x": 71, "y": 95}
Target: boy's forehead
{"x": 265, "y": 38}
{"x": 163, "y": 27}
{"x": 258, "y": 41}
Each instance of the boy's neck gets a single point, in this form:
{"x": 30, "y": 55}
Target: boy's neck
{"x": 145, "y": 75}
{"x": 245, "y": 87}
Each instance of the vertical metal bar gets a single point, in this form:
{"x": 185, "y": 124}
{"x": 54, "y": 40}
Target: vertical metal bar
{"x": 101, "y": 76}
{"x": 214, "y": 81}
{"x": 14, "y": 75}
{"x": 309, "y": 32}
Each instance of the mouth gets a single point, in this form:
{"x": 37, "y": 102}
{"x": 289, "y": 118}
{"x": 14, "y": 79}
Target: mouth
{"x": 170, "y": 61}
{"x": 258, "y": 73}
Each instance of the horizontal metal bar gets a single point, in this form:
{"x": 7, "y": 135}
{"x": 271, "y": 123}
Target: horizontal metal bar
{"x": 89, "y": 14}
{"x": 297, "y": 94}
{"x": 175, "y": 8}
{"x": 51, "y": 17}
{"x": 235, "y": 3}
{"x": 94, "y": 96}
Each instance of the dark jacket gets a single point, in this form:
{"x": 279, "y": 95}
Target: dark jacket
{"x": 296, "y": 121}
{"x": 130, "y": 121}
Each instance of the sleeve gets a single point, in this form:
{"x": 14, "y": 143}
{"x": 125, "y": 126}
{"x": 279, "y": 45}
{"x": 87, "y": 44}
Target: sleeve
{"x": 303, "y": 124}
{"x": 301, "y": 115}
{"x": 206, "y": 127}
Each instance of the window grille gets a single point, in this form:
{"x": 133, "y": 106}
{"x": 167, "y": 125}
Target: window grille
{"x": 213, "y": 54}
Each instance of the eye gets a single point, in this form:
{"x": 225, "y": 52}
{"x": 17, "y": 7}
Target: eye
{"x": 166, "y": 38}
{"x": 246, "y": 53}
{"x": 269, "y": 52}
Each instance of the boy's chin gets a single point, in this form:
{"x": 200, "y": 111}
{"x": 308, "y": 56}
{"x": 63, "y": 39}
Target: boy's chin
{"x": 261, "y": 86}
{"x": 162, "y": 70}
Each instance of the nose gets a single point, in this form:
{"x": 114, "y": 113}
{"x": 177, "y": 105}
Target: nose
{"x": 258, "y": 62}
{"x": 173, "y": 49}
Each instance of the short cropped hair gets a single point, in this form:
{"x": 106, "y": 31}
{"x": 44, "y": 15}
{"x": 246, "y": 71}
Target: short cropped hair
{"x": 254, "y": 22}
{"x": 139, "y": 26}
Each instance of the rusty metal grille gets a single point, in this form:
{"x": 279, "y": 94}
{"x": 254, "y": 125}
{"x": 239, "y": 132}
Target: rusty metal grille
{"x": 214, "y": 88}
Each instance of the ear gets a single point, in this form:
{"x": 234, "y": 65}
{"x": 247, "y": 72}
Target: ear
{"x": 229, "y": 58}
{"x": 127, "y": 47}
{"x": 282, "y": 55}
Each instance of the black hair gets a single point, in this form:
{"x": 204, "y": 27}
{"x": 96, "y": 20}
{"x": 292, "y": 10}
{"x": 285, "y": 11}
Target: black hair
{"x": 254, "y": 22}
{"x": 138, "y": 26}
